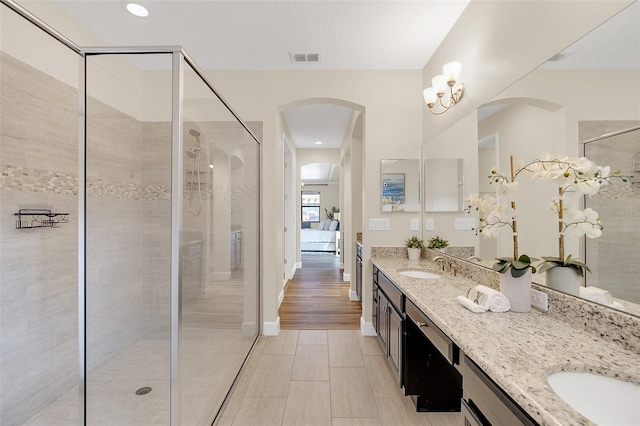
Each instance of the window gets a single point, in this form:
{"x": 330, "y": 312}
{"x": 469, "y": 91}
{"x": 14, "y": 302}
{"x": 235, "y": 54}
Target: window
{"x": 310, "y": 206}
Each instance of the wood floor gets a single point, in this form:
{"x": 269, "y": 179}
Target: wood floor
{"x": 316, "y": 298}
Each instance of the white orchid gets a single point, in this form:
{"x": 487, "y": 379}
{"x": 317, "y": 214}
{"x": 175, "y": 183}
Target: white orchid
{"x": 574, "y": 176}
{"x": 507, "y": 191}
{"x": 582, "y": 222}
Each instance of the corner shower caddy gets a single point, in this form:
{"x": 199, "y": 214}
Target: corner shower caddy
{"x": 40, "y": 218}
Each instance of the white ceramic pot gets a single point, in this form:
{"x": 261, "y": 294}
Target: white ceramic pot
{"x": 517, "y": 290}
{"x": 564, "y": 279}
{"x": 414, "y": 253}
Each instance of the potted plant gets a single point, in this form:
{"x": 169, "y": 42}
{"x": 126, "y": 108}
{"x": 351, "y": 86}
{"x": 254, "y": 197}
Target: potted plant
{"x": 496, "y": 213}
{"x": 414, "y": 247}
{"x": 332, "y": 212}
{"x": 575, "y": 177}
{"x": 438, "y": 243}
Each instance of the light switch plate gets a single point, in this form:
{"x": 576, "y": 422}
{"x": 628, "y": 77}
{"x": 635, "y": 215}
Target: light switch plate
{"x": 539, "y": 300}
{"x": 415, "y": 224}
{"x": 379, "y": 224}
{"x": 464, "y": 223}
{"x": 428, "y": 224}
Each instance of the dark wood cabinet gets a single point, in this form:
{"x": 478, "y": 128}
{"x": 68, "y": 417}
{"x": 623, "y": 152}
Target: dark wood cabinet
{"x": 388, "y": 319}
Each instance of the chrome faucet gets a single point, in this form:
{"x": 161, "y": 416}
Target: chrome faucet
{"x": 446, "y": 265}
{"x": 442, "y": 261}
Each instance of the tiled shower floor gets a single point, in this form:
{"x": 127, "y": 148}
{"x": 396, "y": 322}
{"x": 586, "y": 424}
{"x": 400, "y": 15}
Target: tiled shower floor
{"x": 210, "y": 360}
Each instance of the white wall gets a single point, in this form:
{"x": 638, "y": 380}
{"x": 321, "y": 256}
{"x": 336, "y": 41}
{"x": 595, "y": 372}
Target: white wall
{"x": 459, "y": 141}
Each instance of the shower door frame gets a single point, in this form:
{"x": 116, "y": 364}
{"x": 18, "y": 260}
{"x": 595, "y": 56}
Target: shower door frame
{"x": 179, "y": 57}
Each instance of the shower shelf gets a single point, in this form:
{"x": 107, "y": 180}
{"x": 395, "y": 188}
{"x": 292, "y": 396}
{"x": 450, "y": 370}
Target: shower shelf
{"x": 39, "y": 218}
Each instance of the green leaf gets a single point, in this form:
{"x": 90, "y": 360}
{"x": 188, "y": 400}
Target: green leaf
{"x": 516, "y": 273}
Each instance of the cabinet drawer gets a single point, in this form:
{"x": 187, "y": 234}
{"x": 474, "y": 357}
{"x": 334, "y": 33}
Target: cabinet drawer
{"x": 394, "y": 295}
{"x": 440, "y": 340}
{"x": 492, "y": 402}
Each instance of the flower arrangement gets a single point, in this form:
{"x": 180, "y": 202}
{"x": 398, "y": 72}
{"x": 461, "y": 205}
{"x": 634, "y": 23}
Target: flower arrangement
{"x": 498, "y": 212}
{"x": 414, "y": 242}
{"x": 574, "y": 177}
{"x": 437, "y": 242}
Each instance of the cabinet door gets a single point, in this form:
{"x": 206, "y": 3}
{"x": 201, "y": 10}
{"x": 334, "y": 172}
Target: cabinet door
{"x": 375, "y": 311}
{"x": 359, "y": 277}
{"x": 383, "y": 322}
{"x": 395, "y": 343}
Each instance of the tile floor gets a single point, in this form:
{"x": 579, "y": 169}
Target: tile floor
{"x": 320, "y": 377}
{"x": 210, "y": 358}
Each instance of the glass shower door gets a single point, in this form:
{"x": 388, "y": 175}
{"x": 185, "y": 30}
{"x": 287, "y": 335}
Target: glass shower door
{"x": 128, "y": 240}
{"x": 219, "y": 242}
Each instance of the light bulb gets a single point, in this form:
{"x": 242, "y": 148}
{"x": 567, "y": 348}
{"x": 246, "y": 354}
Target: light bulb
{"x": 451, "y": 72}
{"x": 430, "y": 96}
{"x": 439, "y": 84}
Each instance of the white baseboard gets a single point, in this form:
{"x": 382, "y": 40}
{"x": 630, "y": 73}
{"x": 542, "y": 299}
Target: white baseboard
{"x": 280, "y": 298}
{"x": 367, "y": 328}
{"x": 271, "y": 328}
{"x": 221, "y": 275}
{"x": 353, "y": 296}
{"x": 294, "y": 269}
{"x": 298, "y": 265}
{"x": 346, "y": 277}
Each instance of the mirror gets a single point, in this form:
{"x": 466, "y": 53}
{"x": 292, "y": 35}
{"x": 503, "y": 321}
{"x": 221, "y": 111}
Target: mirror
{"x": 443, "y": 185}
{"x": 400, "y": 184}
{"x": 551, "y": 109}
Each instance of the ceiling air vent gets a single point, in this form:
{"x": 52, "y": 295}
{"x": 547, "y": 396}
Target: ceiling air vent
{"x": 305, "y": 57}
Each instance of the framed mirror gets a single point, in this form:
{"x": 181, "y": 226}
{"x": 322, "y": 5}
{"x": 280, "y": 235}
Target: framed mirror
{"x": 400, "y": 185}
{"x": 443, "y": 185}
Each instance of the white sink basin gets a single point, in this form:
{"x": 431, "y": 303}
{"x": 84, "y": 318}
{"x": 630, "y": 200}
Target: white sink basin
{"x": 419, "y": 274}
{"x": 603, "y": 400}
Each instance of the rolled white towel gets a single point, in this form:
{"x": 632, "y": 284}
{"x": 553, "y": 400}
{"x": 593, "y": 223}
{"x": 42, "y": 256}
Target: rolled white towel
{"x": 492, "y": 299}
{"x": 473, "y": 307}
{"x": 596, "y": 294}
{"x": 617, "y": 305}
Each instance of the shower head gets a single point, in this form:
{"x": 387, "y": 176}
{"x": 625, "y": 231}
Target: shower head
{"x": 194, "y": 132}
{"x": 193, "y": 151}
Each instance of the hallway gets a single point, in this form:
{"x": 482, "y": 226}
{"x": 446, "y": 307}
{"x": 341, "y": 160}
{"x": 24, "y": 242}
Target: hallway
{"x": 316, "y": 298}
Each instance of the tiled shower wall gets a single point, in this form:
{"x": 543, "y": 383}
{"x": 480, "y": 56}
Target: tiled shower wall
{"x": 38, "y": 267}
{"x": 128, "y": 239}
{"x": 615, "y": 253}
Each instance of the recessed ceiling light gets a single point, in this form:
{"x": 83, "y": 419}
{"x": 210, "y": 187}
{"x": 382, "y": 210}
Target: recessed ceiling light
{"x": 318, "y": 143}
{"x": 137, "y": 10}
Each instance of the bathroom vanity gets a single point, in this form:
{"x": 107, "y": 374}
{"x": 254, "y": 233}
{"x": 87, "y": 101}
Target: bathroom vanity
{"x": 502, "y": 359}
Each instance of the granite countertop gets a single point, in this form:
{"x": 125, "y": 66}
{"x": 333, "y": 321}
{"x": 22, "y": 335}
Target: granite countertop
{"x": 517, "y": 350}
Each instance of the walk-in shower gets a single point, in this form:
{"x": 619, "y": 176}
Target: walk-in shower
{"x": 144, "y": 306}
{"x": 613, "y": 257}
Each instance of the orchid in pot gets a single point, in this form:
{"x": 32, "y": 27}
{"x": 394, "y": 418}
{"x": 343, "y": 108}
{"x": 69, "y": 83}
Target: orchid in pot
{"x": 575, "y": 178}
{"x": 497, "y": 213}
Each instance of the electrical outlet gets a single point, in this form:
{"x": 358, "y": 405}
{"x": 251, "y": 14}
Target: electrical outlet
{"x": 539, "y": 300}
{"x": 428, "y": 224}
{"x": 415, "y": 224}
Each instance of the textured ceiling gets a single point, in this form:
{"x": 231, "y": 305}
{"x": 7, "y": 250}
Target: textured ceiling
{"x": 262, "y": 34}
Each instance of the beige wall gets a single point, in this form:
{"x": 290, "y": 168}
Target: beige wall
{"x": 499, "y": 42}
{"x": 391, "y": 127}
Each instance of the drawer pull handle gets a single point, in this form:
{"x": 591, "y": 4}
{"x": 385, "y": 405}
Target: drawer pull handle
{"x": 422, "y": 324}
